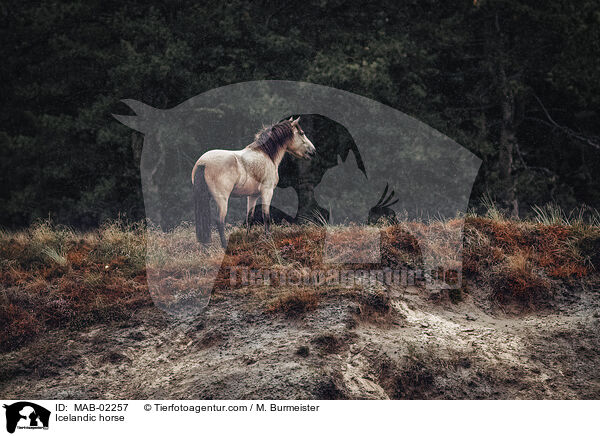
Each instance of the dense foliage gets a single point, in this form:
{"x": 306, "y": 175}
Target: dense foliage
{"x": 517, "y": 82}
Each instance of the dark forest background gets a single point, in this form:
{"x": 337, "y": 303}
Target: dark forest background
{"x": 516, "y": 82}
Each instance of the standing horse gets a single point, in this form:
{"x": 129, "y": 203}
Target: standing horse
{"x": 251, "y": 172}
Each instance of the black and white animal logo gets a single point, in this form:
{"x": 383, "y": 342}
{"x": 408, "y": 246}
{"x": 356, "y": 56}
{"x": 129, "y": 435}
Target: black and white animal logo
{"x": 26, "y": 415}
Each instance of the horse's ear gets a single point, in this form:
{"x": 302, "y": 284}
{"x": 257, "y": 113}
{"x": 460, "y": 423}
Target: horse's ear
{"x": 295, "y": 122}
{"x": 291, "y": 118}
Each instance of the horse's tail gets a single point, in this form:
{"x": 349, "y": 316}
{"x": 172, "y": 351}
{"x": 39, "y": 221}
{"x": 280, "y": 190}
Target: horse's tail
{"x": 201, "y": 206}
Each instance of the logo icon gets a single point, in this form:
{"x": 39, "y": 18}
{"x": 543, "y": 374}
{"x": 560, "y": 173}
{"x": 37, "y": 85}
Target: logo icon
{"x": 26, "y": 415}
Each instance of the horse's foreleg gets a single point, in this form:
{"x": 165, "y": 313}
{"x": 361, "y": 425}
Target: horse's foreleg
{"x": 266, "y": 197}
{"x": 222, "y": 210}
{"x": 250, "y": 212}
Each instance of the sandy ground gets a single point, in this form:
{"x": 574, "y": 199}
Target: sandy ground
{"x": 408, "y": 344}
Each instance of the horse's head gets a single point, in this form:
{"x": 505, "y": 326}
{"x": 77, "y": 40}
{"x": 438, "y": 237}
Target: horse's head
{"x": 300, "y": 145}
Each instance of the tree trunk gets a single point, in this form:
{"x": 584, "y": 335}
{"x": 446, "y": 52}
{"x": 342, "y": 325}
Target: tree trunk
{"x": 507, "y": 144}
{"x": 507, "y": 138}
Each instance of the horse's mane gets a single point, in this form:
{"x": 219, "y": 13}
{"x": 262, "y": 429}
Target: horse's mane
{"x": 272, "y": 138}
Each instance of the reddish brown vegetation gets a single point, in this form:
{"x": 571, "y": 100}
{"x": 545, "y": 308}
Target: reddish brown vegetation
{"x": 399, "y": 248}
{"x": 519, "y": 259}
{"x": 17, "y": 326}
{"x": 74, "y": 285}
{"x": 52, "y": 277}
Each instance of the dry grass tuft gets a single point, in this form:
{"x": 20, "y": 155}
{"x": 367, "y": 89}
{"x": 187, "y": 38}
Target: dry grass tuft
{"x": 563, "y": 252}
{"x": 516, "y": 279}
{"x": 295, "y": 303}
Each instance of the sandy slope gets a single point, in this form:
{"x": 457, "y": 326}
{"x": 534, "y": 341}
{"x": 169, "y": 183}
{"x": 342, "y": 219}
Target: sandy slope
{"x": 410, "y": 344}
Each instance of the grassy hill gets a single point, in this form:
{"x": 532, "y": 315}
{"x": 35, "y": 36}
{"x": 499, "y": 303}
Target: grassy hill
{"x": 62, "y": 285}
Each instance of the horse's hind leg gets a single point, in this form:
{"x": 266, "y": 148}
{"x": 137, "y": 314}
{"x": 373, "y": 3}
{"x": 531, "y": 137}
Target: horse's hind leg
{"x": 222, "y": 210}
